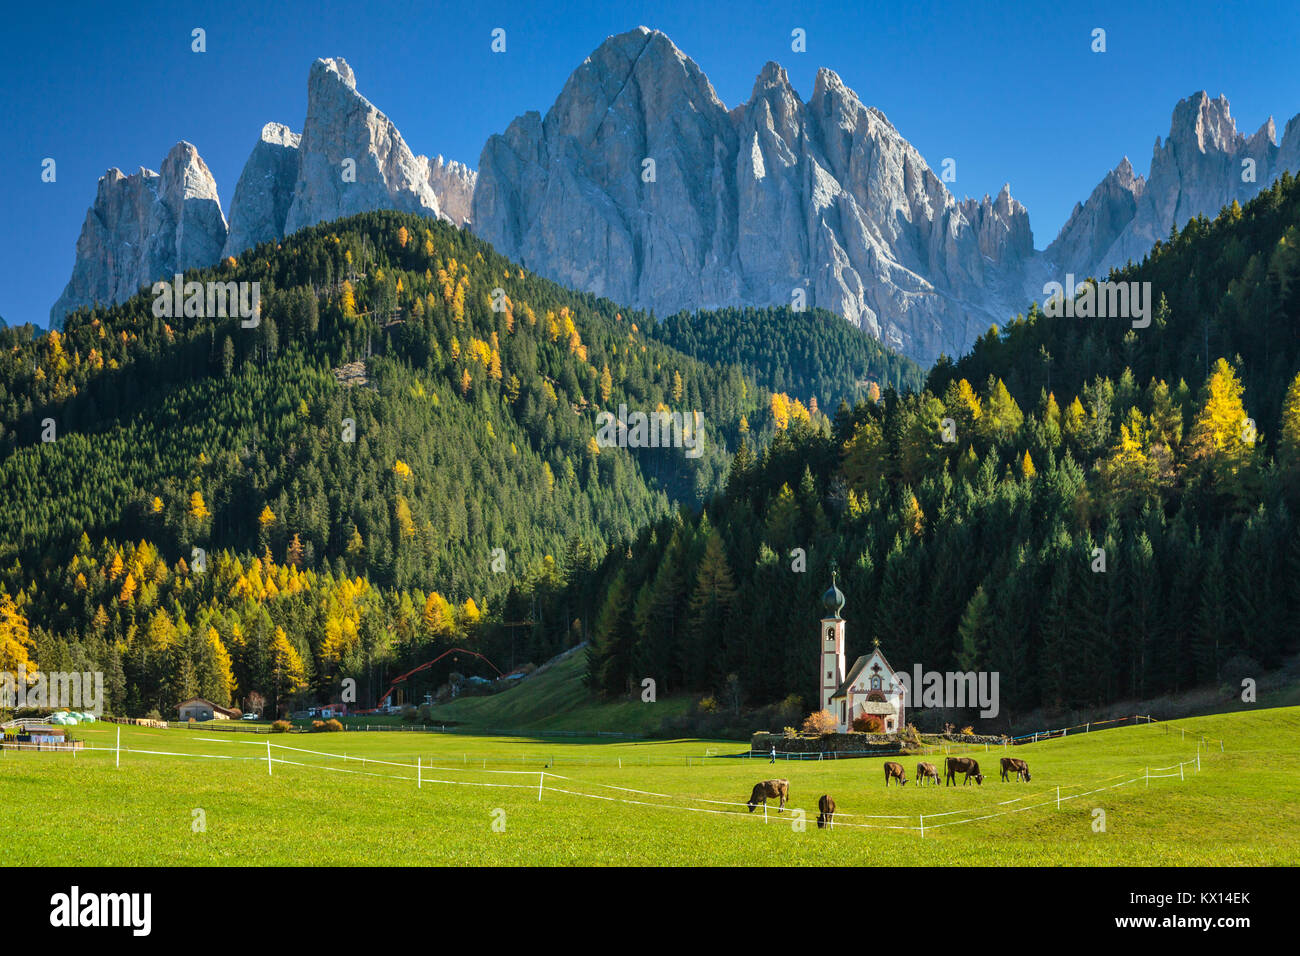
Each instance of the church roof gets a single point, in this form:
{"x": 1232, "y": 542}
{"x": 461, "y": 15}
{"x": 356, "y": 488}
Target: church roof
{"x": 833, "y": 601}
{"x": 877, "y": 707}
{"x": 852, "y": 675}
{"x": 856, "y": 669}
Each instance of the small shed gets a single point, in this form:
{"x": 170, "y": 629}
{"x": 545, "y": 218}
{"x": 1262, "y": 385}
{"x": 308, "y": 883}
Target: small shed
{"x": 199, "y": 708}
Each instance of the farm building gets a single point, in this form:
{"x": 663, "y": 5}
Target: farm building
{"x": 867, "y": 688}
{"x": 30, "y": 734}
{"x": 198, "y": 708}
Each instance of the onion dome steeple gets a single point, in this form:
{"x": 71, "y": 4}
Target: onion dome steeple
{"x": 833, "y": 599}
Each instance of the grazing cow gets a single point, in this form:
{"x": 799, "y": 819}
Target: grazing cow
{"x": 967, "y": 765}
{"x": 1015, "y": 764}
{"x": 895, "y": 771}
{"x": 825, "y": 811}
{"x": 926, "y": 771}
{"x": 770, "y": 790}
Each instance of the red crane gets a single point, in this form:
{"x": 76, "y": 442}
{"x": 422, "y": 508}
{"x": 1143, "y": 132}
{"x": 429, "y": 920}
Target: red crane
{"x": 425, "y": 666}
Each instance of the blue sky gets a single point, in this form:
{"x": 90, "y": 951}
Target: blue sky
{"x": 1011, "y": 90}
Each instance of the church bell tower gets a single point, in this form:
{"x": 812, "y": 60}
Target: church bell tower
{"x": 831, "y": 639}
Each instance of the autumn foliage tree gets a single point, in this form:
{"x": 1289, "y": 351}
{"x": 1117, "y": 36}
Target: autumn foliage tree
{"x": 819, "y": 722}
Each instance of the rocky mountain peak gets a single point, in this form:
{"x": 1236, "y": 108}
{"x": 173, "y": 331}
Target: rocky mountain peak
{"x": 328, "y": 70}
{"x": 143, "y": 226}
{"x": 265, "y": 190}
{"x": 745, "y": 206}
{"x": 772, "y": 76}
{"x": 1204, "y": 123}
{"x": 1203, "y": 165}
{"x": 351, "y": 156}
{"x": 184, "y": 170}
{"x": 1265, "y": 135}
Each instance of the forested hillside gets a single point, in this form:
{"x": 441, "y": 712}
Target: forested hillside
{"x": 805, "y": 353}
{"x": 1119, "y": 534}
{"x": 1228, "y": 287}
{"x": 399, "y": 453}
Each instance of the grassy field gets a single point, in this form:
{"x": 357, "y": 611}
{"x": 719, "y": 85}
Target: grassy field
{"x": 1243, "y": 807}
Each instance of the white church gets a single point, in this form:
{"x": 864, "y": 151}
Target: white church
{"x": 866, "y": 688}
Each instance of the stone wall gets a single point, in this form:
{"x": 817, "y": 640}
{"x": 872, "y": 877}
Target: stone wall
{"x": 763, "y": 742}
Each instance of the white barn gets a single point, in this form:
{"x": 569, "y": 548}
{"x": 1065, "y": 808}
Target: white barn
{"x": 868, "y": 687}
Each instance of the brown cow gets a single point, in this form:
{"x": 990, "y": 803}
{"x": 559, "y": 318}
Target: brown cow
{"x": 967, "y": 765}
{"x": 895, "y": 771}
{"x": 926, "y": 771}
{"x": 1019, "y": 766}
{"x": 769, "y": 789}
{"x": 826, "y": 811}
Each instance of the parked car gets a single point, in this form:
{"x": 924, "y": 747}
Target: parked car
{"x": 251, "y": 717}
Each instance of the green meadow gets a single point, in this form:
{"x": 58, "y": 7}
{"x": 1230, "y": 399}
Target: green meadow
{"x": 221, "y": 807}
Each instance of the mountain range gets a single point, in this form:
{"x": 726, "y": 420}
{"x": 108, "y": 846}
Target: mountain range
{"x": 640, "y": 185}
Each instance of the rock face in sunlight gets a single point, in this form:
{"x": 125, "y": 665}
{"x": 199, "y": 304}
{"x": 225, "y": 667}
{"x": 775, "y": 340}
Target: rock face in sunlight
{"x": 142, "y": 227}
{"x": 349, "y": 158}
{"x": 1202, "y": 166}
{"x": 352, "y": 159}
{"x": 265, "y": 190}
{"x": 641, "y": 185}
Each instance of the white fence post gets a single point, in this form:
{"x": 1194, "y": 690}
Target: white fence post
{"x": 117, "y": 761}
{"x": 268, "y": 756}
{"x": 541, "y": 784}
{"x": 923, "y": 826}
{"x": 1058, "y": 796}
{"x": 419, "y": 773}
{"x": 1180, "y": 770}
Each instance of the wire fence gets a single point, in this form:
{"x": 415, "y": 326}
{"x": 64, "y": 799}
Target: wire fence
{"x": 442, "y": 773}
{"x": 1088, "y": 727}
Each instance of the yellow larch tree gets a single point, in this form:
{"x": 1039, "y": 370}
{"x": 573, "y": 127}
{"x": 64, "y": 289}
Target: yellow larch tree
{"x": 16, "y": 645}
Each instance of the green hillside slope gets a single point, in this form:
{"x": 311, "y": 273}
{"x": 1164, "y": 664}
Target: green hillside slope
{"x": 558, "y": 698}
